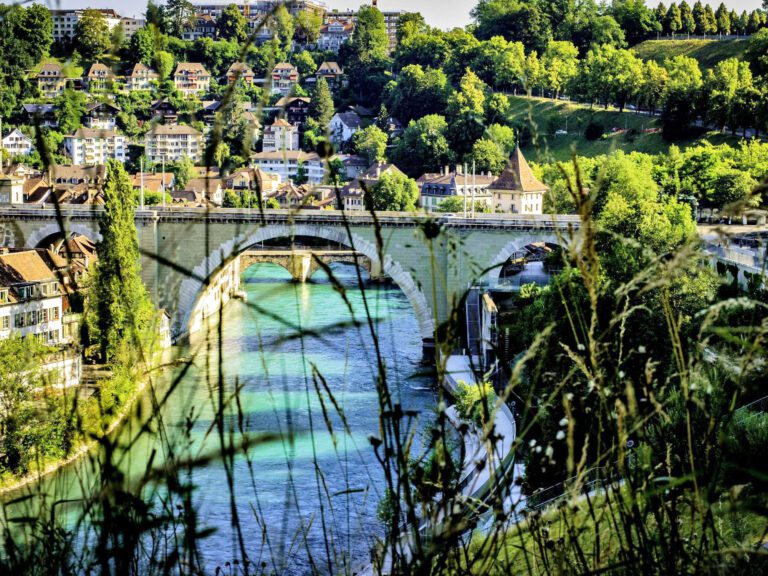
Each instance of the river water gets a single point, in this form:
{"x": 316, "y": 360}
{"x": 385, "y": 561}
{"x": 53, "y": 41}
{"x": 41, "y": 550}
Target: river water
{"x": 306, "y": 501}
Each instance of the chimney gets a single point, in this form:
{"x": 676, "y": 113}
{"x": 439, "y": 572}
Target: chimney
{"x": 378, "y": 170}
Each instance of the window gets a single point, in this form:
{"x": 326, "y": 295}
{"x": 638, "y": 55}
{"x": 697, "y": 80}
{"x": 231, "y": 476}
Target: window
{"x": 55, "y": 313}
{"x": 5, "y": 323}
{"x": 44, "y": 315}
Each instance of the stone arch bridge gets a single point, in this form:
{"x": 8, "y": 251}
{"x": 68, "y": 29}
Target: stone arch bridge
{"x": 191, "y": 257}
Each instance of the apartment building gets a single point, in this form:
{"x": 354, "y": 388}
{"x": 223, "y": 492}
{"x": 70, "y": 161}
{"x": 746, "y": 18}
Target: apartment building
{"x": 30, "y": 298}
{"x": 191, "y": 78}
{"x": 95, "y": 146}
{"x": 205, "y": 27}
{"x": 333, "y": 34}
{"x": 131, "y": 26}
{"x": 390, "y": 21}
{"x": 286, "y": 164}
{"x": 259, "y": 7}
{"x": 11, "y": 189}
{"x": 65, "y": 22}
{"x": 17, "y": 144}
{"x": 171, "y": 142}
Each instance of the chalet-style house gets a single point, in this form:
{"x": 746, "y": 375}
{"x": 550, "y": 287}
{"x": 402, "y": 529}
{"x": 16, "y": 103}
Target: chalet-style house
{"x": 51, "y": 80}
{"x": 191, "y": 78}
{"x": 141, "y": 77}
{"x": 98, "y": 78}
{"x": 240, "y": 71}
{"x": 284, "y": 77}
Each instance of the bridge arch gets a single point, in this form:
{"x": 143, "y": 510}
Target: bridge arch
{"x": 520, "y": 242}
{"x": 192, "y": 288}
{"x": 35, "y": 240}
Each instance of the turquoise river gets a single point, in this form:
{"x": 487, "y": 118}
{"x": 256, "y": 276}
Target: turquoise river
{"x": 306, "y": 498}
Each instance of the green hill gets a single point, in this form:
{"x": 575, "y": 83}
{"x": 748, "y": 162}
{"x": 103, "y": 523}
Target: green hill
{"x": 541, "y": 123}
{"x": 707, "y": 52}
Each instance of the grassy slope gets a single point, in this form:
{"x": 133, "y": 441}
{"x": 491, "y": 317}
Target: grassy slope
{"x": 707, "y": 52}
{"x": 544, "y": 116}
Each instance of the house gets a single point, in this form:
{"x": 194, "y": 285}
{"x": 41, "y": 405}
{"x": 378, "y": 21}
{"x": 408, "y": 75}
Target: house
{"x": 17, "y": 144}
{"x": 163, "y": 110}
{"x": 286, "y": 164}
{"x": 101, "y": 115}
{"x": 333, "y": 34}
{"x": 131, "y": 26}
{"x": 280, "y": 135}
{"x": 205, "y": 27}
{"x": 343, "y": 126}
{"x": 253, "y": 179}
{"x": 207, "y": 111}
{"x": 98, "y": 78}
{"x": 354, "y": 165}
{"x": 353, "y": 194}
{"x": 240, "y": 71}
{"x": 290, "y": 196}
{"x": 30, "y": 299}
{"x": 295, "y": 109}
{"x": 436, "y": 187}
{"x": 332, "y": 73}
{"x": 51, "y": 80}
{"x": 191, "y": 78}
{"x": 284, "y": 77}
{"x": 171, "y": 142}
{"x": 95, "y": 146}
{"x": 41, "y": 115}
{"x": 260, "y": 29}
{"x": 210, "y": 190}
{"x": 153, "y": 182}
{"x": 60, "y": 174}
{"x": 517, "y": 189}
{"x": 11, "y": 190}
{"x": 141, "y": 77}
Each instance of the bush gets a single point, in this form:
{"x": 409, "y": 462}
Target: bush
{"x": 474, "y": 402}
{"x": 593, "y": 131}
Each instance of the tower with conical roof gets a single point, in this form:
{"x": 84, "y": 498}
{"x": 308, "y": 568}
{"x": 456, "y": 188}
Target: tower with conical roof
{"x": 517, "y": 189}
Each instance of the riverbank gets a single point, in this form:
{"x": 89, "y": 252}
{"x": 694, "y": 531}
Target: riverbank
{"x": 84, "y": 446}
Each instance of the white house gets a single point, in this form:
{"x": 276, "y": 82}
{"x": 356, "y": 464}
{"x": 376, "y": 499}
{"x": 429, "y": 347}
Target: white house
{"x": 286, "y": 163}
{"x": 95, "y": 146}
{"x": 17, "y": 144}
{"x": 30, "y": 299}
{"x": 11, "y": 190}
{"x": 142, "y": 77}
{"x": 517, "y": 189}
{"x": 281, "y": 135}
{"x": 434, "y": 188}
{"x": 172, "y": 142}
{"x": 334, "y": 34}
{"x": 343, "y": 126}
{"x": 284, "y": 77}
{"x": 191, "y": 78}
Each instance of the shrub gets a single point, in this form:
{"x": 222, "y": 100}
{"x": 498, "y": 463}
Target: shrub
{"x": 474, "y": 402}
{"x": 593, "y": 131}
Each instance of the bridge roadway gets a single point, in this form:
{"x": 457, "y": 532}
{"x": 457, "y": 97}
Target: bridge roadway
{"x": 191, "y": 257}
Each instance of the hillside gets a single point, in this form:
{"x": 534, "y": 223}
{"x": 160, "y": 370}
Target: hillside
{"x": 538, "y": 119}
{"x": 707, "y": 52}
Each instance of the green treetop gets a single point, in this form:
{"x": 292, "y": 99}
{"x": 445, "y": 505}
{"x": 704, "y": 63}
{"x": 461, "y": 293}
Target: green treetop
{"x": 232, "y": 25}
{"x": 394, "y": 192}
{"x": 92, "y": 38}
{"x": 371, "y": 142}
{"x": 321, "y": 105}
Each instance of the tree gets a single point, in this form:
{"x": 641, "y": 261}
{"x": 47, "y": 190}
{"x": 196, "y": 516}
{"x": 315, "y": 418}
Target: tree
{"x": 302, "y": 176}
{"x": 120, "y": 310}
{"x": 179, "y": 15}
{"x": 688, "y": 18}
{"x": 673, "y": 20}
{"x": 488, "y": 156}
{"x": 681, "y": 95}
{"x": 466, "y": 110}
{"x": 503, "y": 136}
{"x": 393, "y": 192}
{"x": 283, "y": 22}
{"x": 321, "y": 105}
{"x": 455, "y": 205}
{"x": 757, "y": 52}
{"x": 232, "y": 25}
{"x": 520, "y": 22}
{"x": 560, "y": 64}
{"x": 117, "y": 38}
{"x": 423, "y": 147}
{"x": 722, "y": 84}
{"x": 710, "y": 21}
{"x": 304, "y": 63}
{"x": 723, "y": 18}
{"x": 92, "y": 37}
{"x": 183, "y": 171}
{"x": 307, "y": 26}
{"x": 365, "y": 55}
{"x": 635, "y": 18}
{"x": 70, "y": 109}
{"x": 660, "y": 15}
{"x": 371, "y": 142}
{"x": 409, "y": 25}
{"x": 731, "y": 186}
{"x": 164, "y": 64}
{"x": 142, "y": 45}
{"x": 417, "y": 93}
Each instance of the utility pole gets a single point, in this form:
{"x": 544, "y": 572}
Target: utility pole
{"x": 473, "y": 187}
{"x": 141, "y": 177}
{"x": 465, "y": 190}
{"x": 162, "y": 181}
